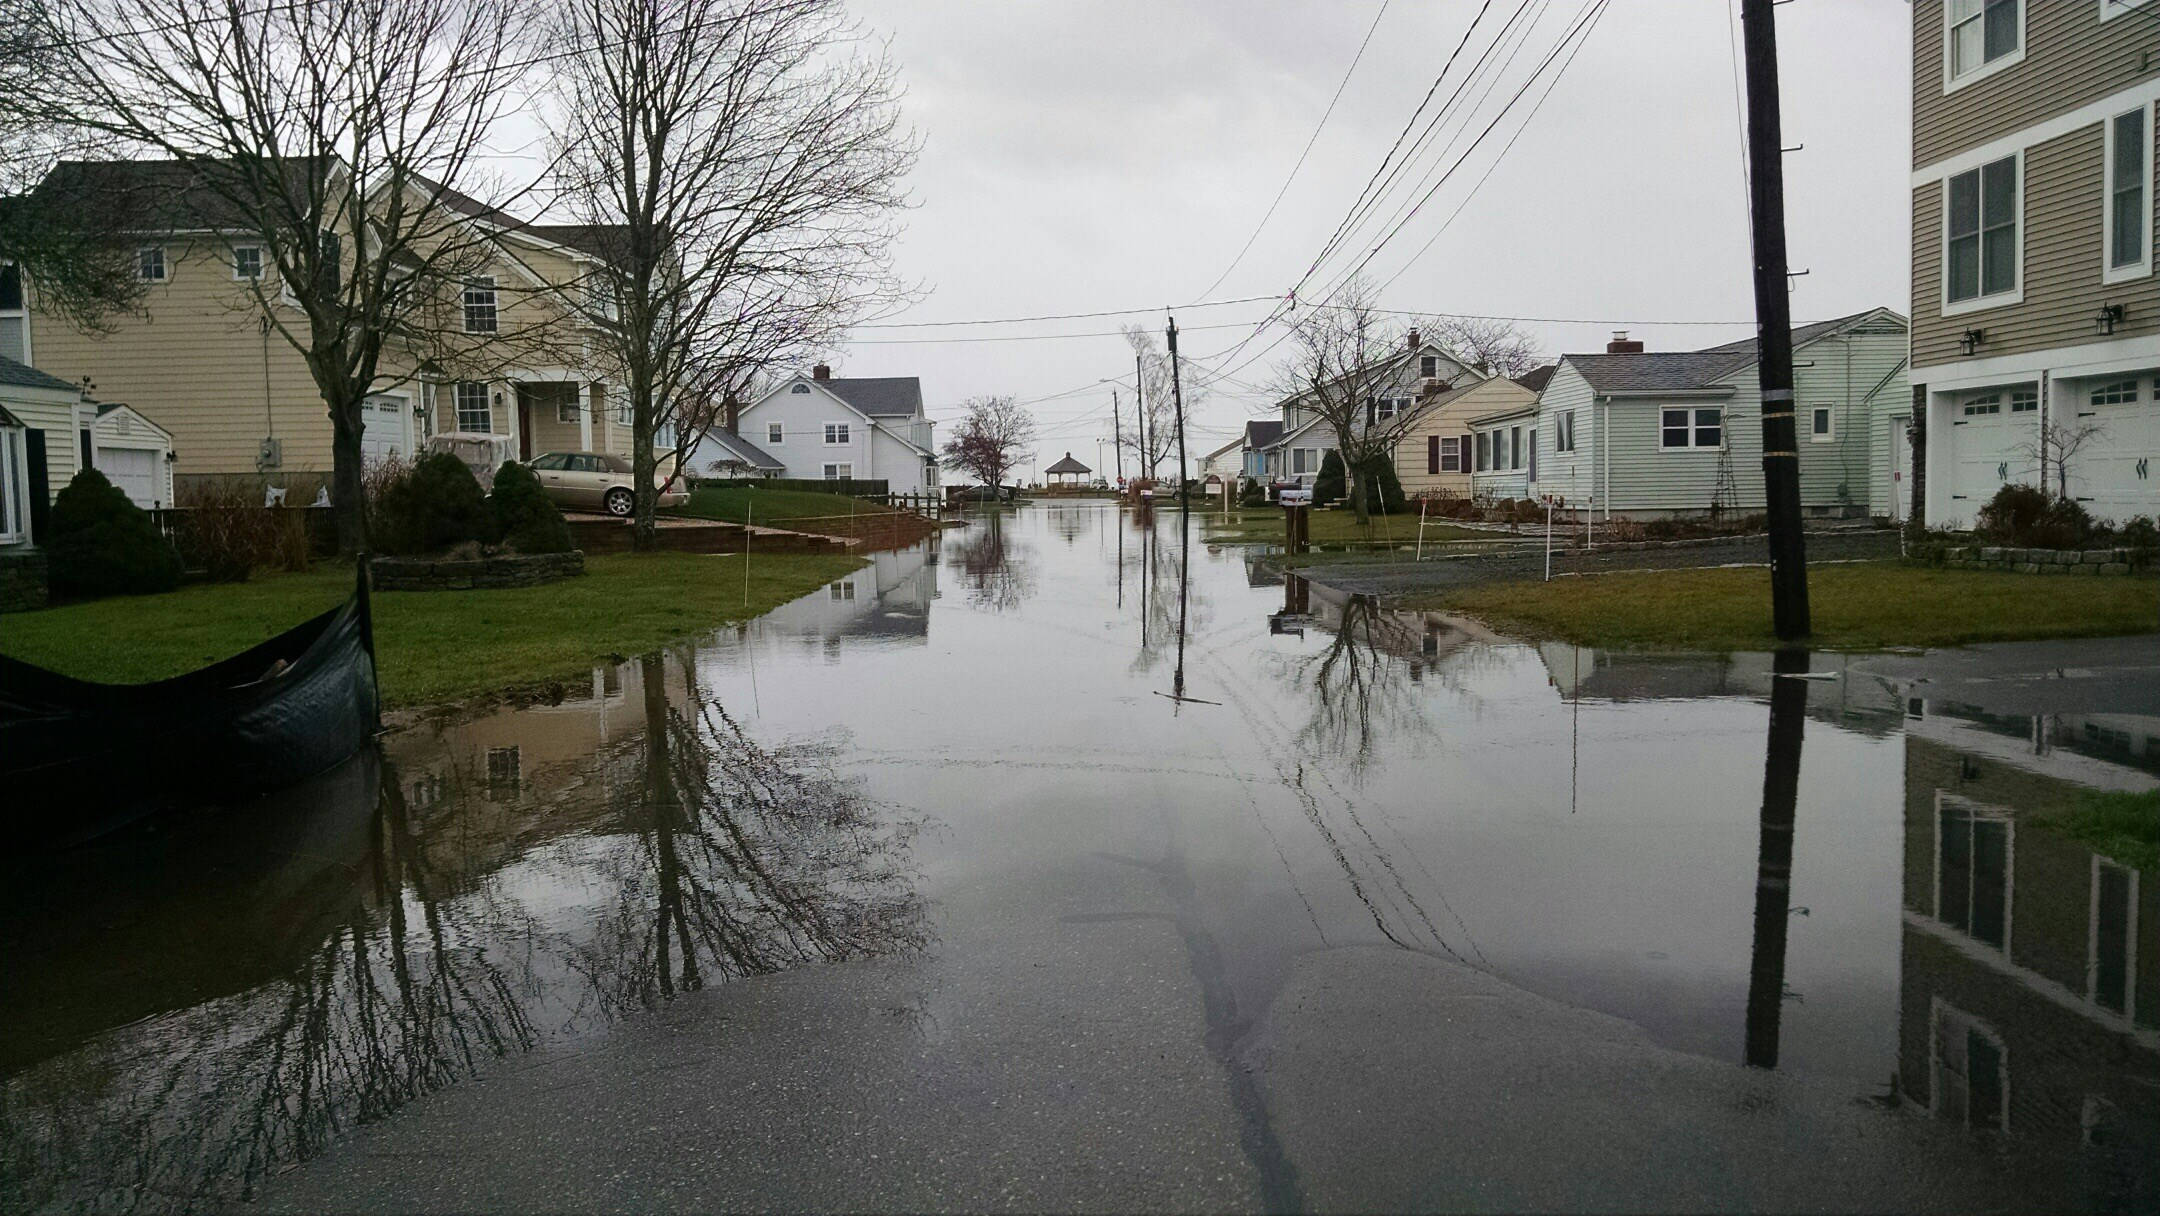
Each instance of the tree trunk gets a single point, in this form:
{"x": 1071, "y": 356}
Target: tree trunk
{"x": 1354, "y": 481}
{"x": 348, "y": 496}
{"x": 645, "y": 526}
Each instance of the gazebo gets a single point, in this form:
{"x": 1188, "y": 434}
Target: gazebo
{"x": 1071, "y": 471}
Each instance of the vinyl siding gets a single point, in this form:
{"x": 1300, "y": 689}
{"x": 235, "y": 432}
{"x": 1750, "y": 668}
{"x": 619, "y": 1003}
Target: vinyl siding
{"x": 1451, "y": 418}
{"x": 2071, "y": 58}
{"x": 1843, "y": 474}
{"x": 1571, "y": 475}
{"x": 54, "y": 414}
{"x": 2061, "y": 274}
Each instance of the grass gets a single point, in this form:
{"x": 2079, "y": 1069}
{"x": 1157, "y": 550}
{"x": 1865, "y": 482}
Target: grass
{"x": 1264, "y": 525}
{"x": 748, "y": 504}
{"x": 434, "y": 646}
{"x": 1860, "y": 606}
{"x": 2125, "y": 827}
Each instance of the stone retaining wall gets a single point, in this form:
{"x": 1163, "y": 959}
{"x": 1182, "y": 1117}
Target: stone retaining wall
{"x": 2041, "y": 561}
{"x": 22, "y": 581}
{"x": 508, "y": 570}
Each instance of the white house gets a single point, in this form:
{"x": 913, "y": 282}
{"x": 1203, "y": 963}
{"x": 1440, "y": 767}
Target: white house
{"x": 840, "y": 428}
{"x": 1398, "y": 380}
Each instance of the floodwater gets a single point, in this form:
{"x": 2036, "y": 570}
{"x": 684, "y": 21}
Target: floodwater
{"x": 1831, "y": 878}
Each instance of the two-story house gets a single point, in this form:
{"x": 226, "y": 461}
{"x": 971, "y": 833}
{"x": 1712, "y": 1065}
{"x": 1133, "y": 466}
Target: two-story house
{"x": 203, "y": 361}
{"x": 842, "y": 428}
{"x": 1398, "y": 379}
{"x": 2036, "y": 315}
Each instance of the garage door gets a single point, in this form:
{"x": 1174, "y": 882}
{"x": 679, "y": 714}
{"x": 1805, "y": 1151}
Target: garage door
{"x": 383, "y": 420}
{"x": 1989, "y": 436}
{"x": 2116, "y": 474}
{"x": 134, "y": 470}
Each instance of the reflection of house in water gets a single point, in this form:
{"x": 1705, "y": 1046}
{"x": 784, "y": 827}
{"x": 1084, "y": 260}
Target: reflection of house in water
{"x": 888, "y": 600}
{"x": 2031, "y": 963}
{"x": 1423, "y": 638}
{"x": 1864, "y": 705}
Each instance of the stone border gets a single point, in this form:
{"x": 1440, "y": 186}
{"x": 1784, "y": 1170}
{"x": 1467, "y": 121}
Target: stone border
{"x": 22, "y": 581}
{"x": 2039, "y": 561}
{"x": 506, "y": 570}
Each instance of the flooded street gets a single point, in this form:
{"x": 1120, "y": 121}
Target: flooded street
{"x": 1059, "y": 864}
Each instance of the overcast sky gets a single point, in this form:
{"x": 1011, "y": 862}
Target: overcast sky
{"x": 1088, "y": 156}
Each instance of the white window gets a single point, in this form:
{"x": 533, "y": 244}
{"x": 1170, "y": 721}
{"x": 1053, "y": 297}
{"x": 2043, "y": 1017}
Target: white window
{"x": 1428, "y": 365}
{"x": 1387, "y": 408}
{"x": 843, "y": 471}
{"x": 1692, "y": 428}
{"x": 1301, "y": 461}
{"x": 1968, "y": 1069}
{"x": 1564, "y": 431}
{"x": 599, "y": 293}
{"x": 2115, "y": 392}
{"x": 1987, "y": 403}
{"x": 473, "y": 412}
{"x": 773, "y": 432}
{"x": 2112, "y": 954}
{"x": 1515, "y": 452}
{"x": 14, "y": 486}
{"x": 2129, "y": 206}
{"x": 480, "y": 315}
{"x": 1451, "y": 454}
{"x": 1484, "y": 451}
{"x": 838, "y": 433}
{"x": 1980, "y": 235}
{"x": 1973, "y": 851}
{"x": 567, "y": 409}
{"x": 1980, "y": 37}
{"x": 150, "y": 263}
{"x": 2024, "y": 400}
{"x": 800, "y": 388}
{"x": 1820, "y": 427}
{"x": 14, "y": 318}
{"x": 247, "y": 261}
{"x": 843, "y": 590}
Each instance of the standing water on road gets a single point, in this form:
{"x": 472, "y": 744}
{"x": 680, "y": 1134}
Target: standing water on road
{"x": 1206, "y": 889}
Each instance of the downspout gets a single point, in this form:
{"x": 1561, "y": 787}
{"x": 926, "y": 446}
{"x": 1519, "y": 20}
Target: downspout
{"x": 1605, "y": 456}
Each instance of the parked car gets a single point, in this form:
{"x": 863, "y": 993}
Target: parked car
{"x": 597, "y": 481}
{"x": 482, "y": 453}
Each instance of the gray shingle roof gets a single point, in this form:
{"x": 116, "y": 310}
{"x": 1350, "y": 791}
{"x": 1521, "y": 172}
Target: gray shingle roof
{"x": 1261, "y": 432}
{"x": 879, "y": 396}
{"x": 744, "y": 450}
{"x": 148, "y": 195}
{"x": 1662, "y": 372}
{"x": 22, "y": 375}
{"x": 1068, "y": 465}
{"x": 1537, "y": 377}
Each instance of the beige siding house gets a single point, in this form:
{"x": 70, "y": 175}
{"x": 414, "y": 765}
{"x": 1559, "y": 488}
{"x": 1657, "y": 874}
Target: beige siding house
{"x": 2035, "y": 309}
{"x": 1433, "y": 458}
{"x": 203, "y": 361}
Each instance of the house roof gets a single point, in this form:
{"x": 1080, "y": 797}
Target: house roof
{"x": 1226, "y": 449}
{"x": 1260, "y": 432}
{"x": 878, "y": 396}
{"x": 1524, "y": 410}
{"x": 1068, "y": 465}
{"x": 22, "y": 375}
{"x": 603, "y": 241}
{"x": 1537, "y": 377}
{"x": 148, "y": 194}
{"x": 744, "y": 450}
{"x": 1679, "y": 371}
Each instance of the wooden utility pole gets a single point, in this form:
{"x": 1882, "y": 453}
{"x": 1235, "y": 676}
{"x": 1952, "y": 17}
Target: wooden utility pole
{"x": 1773, "y": 859}
{"x": 1117, "y": 441}
{"x": 1139, "y": 384}
{"x": 1177, "y": 398}
{"x": 1773, "y": 325}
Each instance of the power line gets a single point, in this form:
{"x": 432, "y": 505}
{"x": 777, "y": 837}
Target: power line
{"x": 1102, "y": 333}
{"x": 1064, "y": 316}
{"x": 1307, "y": 151}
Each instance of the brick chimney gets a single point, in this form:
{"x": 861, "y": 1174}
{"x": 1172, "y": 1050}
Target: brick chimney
{"x": 1621, "y": 346}
{"x": 822, "y": 372}
{"x": 731, "y": 415}
{"x": 1413, "y": 338}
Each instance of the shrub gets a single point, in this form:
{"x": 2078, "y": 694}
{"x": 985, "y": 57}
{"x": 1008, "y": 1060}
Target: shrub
{"x": 2028, "y": 516}
{"x": 436, "y": 505}
{"x": 1329, "y": 486}
{"x": 1252, "y": 494}
{"x": 1383, "y": 489}
{"x": 230, "y": 533}
{"x": 2138, "y": 532}
{"x": 99, "y": 543}
{"x": 525, "y": 518}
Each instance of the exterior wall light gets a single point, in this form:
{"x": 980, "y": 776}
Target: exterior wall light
{"x": 2111, "y": 315}
{"x": 1971, "y": 339}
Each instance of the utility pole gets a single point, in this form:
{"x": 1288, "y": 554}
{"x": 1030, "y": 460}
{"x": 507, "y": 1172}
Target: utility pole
{"x": 1117, "y": 441}
{"x": 1177, "y": 398}
{"x": 1146, "y": 461}
{"x": 1773, "y": 325}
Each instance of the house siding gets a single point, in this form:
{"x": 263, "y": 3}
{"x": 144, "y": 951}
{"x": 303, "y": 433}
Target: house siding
{"x": 2064, "y": 209}
{"x": 803, "y": 450}
{"x": 1570, "y": 475}
{"x": 55, "y": 414}
{"x": 2071, "y": 58}
{"x": 1451, "y": 419}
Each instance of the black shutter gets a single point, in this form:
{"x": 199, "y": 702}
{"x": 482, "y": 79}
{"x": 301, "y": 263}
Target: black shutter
{"x": 40, "y": 484}
{"x": 1432, "y": 453}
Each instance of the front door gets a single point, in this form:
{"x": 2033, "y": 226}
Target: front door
{"x": 524, "y": 421}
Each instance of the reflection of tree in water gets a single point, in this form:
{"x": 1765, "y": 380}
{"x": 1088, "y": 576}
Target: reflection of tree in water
{"x": 998, "y": 575}
{"x": 1356, "y": 683}
{"x": 725, "y": 859}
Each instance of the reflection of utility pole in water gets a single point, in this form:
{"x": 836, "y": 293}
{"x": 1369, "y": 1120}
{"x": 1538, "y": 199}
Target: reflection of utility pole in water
{"x": 1184, "y": 584}
{"x": 1773, "y": 866}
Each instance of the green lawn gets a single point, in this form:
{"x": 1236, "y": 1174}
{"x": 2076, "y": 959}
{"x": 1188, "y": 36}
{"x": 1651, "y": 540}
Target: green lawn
{"x": 1861, "y": 606}
{"x": 1334, "y": 526}
{"x": 431, "y": 646}
{"x": 747, "y": 504}
{"x": 2125, "y": 827}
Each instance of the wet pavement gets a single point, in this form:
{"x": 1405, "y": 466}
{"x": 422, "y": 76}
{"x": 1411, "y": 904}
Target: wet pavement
{"x": 1054, "y": 866}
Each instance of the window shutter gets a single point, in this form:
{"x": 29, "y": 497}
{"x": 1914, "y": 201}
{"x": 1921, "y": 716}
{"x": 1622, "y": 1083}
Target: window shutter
{"x": 1432, "y": 453}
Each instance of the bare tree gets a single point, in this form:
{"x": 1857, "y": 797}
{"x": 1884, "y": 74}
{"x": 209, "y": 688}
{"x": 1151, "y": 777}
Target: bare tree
{"x": 1499, "y": 346}
{"x": 2056, "y": 444}
{"x": 331, "y": 133}
{"x": 1155, "y": 438}
{"x": 741, "y": 164}
{"x": 1343, "y": 358}
{"x": 991, "y": 439}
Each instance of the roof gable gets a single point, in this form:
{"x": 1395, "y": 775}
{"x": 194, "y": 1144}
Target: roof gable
{"x": 817, "y": 390}
{"x": 878, "y": 396}
{"x": 1681, "y": 371}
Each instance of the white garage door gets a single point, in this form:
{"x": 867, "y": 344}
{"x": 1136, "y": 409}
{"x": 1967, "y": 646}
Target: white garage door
{"x": 1988, "y": 442}
{"x": 384, "y": 421}
{"x": 2116, "y": 474}
{"x": 134, "y": 470}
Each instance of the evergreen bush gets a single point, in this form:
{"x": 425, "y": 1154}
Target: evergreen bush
{"x": 2027, "y": 516}
{"x": 436, "y": 505}
{"x": 1329, "y": 487}
{"x": 525, "y": 518}
{"x": 99, "y": 543}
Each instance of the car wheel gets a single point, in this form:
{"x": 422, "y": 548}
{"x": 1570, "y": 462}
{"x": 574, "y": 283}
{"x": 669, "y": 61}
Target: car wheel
{"x": 619, "y": 502}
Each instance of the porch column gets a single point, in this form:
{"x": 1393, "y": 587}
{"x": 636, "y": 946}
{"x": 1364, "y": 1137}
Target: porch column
{"x": 596, "y": 402}
{"x": 510, "y": 409}
{"x": 584, "y": 417}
